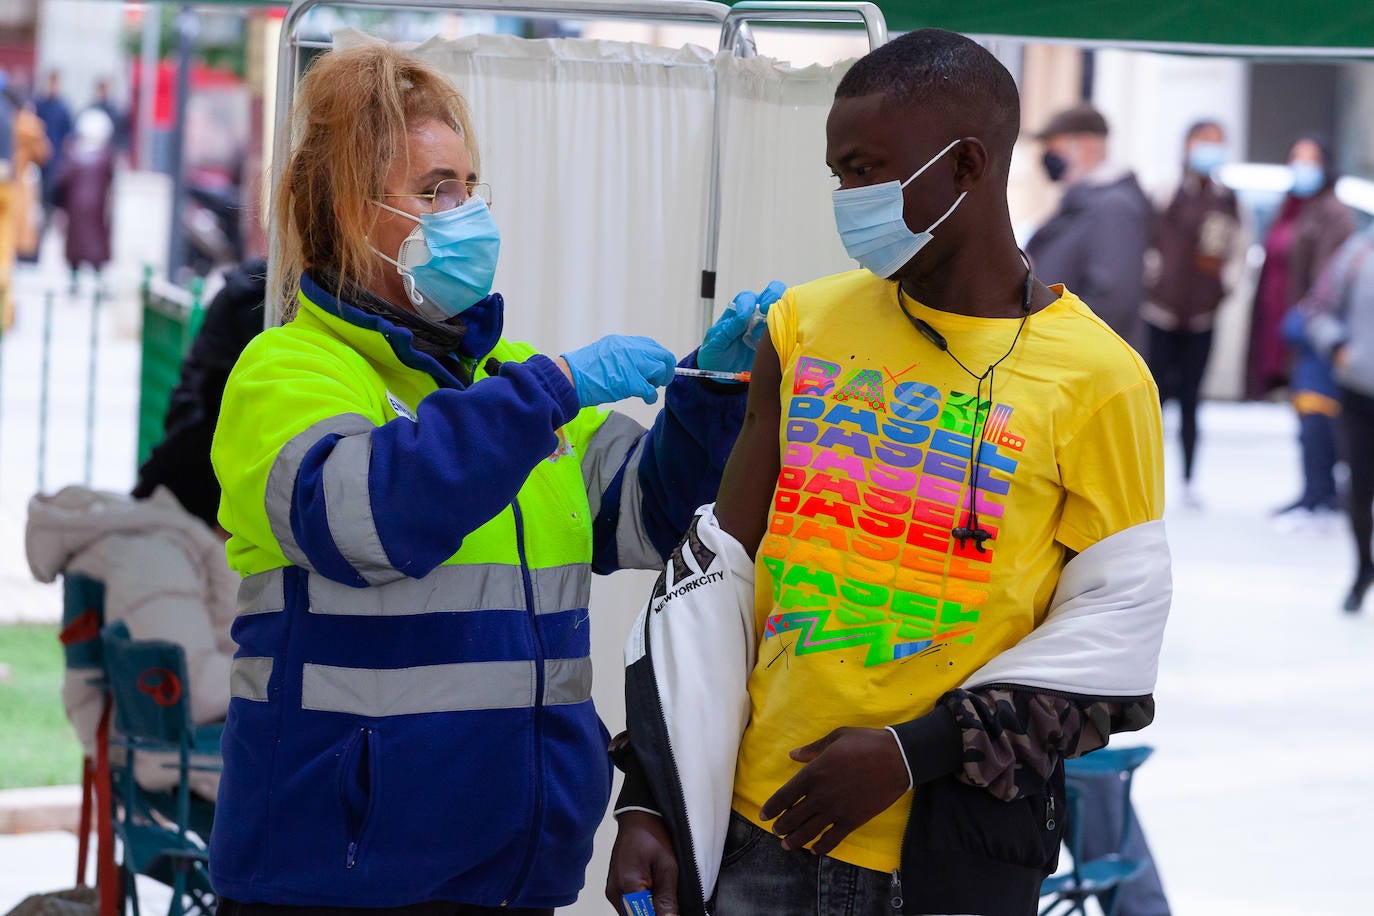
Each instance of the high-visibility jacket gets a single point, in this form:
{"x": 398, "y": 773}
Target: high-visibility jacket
{"x": 411, "y": 717}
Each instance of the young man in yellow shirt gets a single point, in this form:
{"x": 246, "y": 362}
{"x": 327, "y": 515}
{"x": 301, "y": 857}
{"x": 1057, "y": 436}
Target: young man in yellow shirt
{"x": 930, "y": 443}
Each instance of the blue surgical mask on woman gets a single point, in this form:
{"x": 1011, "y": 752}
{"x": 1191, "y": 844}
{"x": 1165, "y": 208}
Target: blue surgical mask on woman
{"x": 1308, "y": 178}
{"x": 1206, "y": 158}
{"x": 871, "y": 225}
{"x": 448, "y": 261}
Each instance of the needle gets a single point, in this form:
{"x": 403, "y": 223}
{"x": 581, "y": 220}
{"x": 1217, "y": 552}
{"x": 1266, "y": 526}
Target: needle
{"x": 711, "y": 374}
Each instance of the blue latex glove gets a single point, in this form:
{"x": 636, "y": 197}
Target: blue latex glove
{"x": 730, "y": 342}
{"x": 619, "y": 366}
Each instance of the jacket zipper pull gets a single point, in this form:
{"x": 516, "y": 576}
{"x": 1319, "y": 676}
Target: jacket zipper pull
{"x": 897, "y": 890}
{"x": 1049, "y": 811}
{"x": 352, "y": 858}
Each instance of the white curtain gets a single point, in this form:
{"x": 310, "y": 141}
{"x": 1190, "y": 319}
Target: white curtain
{"x": 597, "y": 153}
{"x": 776, "y": 218}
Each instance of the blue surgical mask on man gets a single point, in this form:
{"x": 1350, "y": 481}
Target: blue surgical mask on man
{"x": 871, "y": 225}
{"x": 1206, "y": 158}
{"x": 1308, "y": 178}
{"x": 448, "y": 262}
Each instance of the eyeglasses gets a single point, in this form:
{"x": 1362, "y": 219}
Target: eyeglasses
{"x": 452, "y": 193}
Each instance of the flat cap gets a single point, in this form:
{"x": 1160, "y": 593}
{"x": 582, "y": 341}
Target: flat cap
{"x": 1081, "y": 119}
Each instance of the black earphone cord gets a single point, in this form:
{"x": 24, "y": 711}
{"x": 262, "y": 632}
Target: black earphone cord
{"x": 963, "y": 533}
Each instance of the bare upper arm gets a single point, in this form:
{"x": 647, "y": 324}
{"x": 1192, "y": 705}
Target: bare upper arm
{"x": 746, "y": 487}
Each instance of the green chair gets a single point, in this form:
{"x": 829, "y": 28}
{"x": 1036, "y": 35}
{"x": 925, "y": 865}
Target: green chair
{"x": 1103, "y": 876}
{"x": 147, "y": 682}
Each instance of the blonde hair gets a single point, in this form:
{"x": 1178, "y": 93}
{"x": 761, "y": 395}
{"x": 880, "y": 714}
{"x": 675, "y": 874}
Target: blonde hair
{"x": 352, "y": 111}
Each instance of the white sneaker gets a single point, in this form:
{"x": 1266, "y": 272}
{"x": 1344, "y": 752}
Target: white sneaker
{"x": 1294, "y": 521}
{"x": 1326, "y": 519}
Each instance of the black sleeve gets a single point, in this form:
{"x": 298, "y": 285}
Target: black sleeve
{"x": 1009, "y": 741}
{"x": 181, "y": 461}
{"x": 635, "y": 792}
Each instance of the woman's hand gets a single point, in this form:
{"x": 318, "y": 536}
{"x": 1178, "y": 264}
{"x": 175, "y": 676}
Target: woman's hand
{"x": 619, "y": 366}
{"x": 730, "y": 342}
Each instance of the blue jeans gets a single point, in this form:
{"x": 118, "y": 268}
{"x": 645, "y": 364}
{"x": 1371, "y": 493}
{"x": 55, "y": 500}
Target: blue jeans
{"x": 759, "y": 878}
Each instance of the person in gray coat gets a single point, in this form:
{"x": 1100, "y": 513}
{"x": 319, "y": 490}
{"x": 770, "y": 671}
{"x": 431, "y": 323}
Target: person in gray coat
{"x": 1095, "y": 243}
{"x": 1339, "y": 325}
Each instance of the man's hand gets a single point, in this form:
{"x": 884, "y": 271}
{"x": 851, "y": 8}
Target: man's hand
{"x": 643, "y": 859}
{"x": 851, "y": 776}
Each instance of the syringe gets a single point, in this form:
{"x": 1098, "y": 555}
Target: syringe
{"x": 712, "y": 374}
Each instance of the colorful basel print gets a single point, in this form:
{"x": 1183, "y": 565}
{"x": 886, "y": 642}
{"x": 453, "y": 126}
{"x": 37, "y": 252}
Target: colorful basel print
{"x": 875, "y": 475}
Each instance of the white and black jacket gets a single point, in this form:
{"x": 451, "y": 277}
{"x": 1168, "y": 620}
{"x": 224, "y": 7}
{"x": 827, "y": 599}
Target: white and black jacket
{"x": 987, "y": 762}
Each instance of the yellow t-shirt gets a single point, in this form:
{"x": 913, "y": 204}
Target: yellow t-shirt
{"x": 867, "y": 610}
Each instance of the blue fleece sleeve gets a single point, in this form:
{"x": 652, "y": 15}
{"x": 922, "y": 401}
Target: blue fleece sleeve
{"x": 673, "y": 470}
{"x": 432, "y": 481}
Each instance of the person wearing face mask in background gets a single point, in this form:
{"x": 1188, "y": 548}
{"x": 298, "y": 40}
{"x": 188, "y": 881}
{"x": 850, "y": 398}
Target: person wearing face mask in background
{"x": 935, "y": 567}
{"x": 1095, "y": 242}
{"x": 416, "y": 506}
{"x": 1195, "y": 237}
{"x": 1311, "y": 224}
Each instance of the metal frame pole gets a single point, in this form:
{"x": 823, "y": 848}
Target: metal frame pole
{"x": 43, "y": 385}
{"x": 91, "y": 386}
{"x": 801, "y": 13}
{"x": 147, "y": 90}
{"x": 735, "y": 37}
{"x": 187, "y": 27}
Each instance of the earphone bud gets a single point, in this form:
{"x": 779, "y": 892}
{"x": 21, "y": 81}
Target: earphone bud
{"x": 976, "y": 534}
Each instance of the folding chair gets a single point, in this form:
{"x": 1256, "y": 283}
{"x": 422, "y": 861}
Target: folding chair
{"x": 152, "y": 712}
{"x": 83, "y": 616}
{"x": 1101, "y": 877}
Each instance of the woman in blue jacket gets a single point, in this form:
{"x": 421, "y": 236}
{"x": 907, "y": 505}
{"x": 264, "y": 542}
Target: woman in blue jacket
{"x": 416, "y": 506}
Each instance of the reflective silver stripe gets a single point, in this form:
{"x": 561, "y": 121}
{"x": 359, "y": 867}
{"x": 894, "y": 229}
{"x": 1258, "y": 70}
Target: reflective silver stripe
{"x": 567, "y": 681}
{"x": 381, "y": 692}
{"x": 475, "y": 587}
{"x": 262, "y": 593}
{"x": 281, "y": 480}
{"x": 605, "y": 452}
{"x": 634, "y": 550}
{"x": 349, "y": 507}
{"x": 248, "y": 677}
{"x": 562, "y": 588}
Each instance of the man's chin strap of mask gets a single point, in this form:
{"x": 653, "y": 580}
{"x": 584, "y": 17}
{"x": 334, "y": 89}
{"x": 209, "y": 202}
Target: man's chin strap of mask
{"x": 919, "y": 172}
{"x": 930, "y": 230}
{"x": 948, "y": 213}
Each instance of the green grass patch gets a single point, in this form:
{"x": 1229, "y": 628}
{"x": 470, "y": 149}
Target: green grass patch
{"x": 37, "y": 744}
